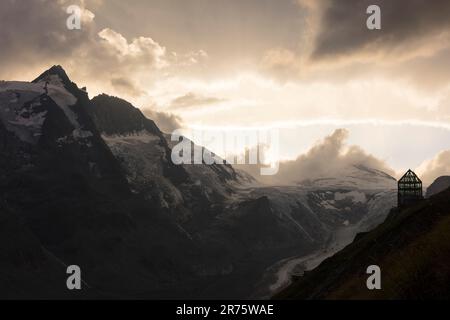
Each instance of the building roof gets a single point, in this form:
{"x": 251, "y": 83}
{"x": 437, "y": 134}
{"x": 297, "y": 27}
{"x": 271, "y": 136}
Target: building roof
{"x": 409, "y": 177}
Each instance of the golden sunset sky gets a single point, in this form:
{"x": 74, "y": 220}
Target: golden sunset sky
{"x": 306, "y": 67}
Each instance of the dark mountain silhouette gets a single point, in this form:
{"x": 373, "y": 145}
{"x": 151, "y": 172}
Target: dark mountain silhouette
{"x": 113, "y": 115}
{"x": 412, "y": 248}
{"x": 91, "y": 183}
{"x": 64, "y": 200}
{"x": 438, "y": 185}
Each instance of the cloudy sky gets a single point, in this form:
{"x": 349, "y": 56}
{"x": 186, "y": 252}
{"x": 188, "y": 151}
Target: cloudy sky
{"x": 307, "y": 67}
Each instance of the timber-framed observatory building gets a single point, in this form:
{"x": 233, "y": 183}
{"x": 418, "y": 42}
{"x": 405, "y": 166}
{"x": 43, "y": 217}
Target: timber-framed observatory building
{"x": 409, "y": 189}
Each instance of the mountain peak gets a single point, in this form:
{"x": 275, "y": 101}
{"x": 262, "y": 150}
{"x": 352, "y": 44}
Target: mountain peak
{"x": 114, "y": 115}
{"x": 56, "y": 70}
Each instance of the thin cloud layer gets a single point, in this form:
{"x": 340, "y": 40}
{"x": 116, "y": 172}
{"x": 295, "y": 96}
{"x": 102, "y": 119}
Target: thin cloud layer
{"x": 126, "y": 86}
{"x": 192, "y": 100}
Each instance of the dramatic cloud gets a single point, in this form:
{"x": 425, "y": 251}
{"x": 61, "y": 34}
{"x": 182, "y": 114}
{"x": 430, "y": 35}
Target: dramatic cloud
{"x": 140, "y": 50}
{"x": 335, "y": 45}
{"x": 219, "y": 63}
{"x": 432, "y": 169}
{"x": 330, "y": 157}
{"x": 407, "y": 27}
{"x": 34, "y": 33}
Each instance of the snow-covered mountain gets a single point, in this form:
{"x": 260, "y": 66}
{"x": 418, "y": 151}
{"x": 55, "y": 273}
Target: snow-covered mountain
{"x": 92, "y": 182}
{"x": 65, "y": 197}
{"x": 28, "y": 105}
{"x": 329, "y": 213}
{"x": 354, "y": 177}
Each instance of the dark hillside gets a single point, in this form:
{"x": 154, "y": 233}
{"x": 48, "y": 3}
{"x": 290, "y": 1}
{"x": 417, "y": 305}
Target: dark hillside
{"x": 412, "y": 248}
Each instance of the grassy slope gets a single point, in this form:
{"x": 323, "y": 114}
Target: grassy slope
{"x": 412, "y": 248}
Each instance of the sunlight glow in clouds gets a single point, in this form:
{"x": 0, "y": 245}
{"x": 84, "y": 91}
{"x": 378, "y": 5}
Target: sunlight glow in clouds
{"x": 274, "y": 102}
{"x": 230, "y": 68}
